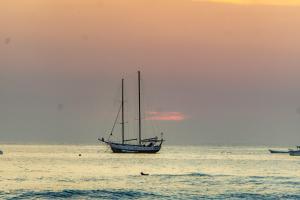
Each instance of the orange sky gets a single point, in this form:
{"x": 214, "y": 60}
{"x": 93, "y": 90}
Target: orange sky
{"x": 66, "y": 34}
{"x": 203, "y": 59}
{"x": 258, "y": 2}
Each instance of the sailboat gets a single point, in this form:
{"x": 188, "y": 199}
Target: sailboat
{"x": 295, "y": 152}
{"x": 292, "y": 152}
{"x": 149, "y": 145}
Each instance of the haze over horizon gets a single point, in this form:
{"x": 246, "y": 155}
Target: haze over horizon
{"x": 216, "y": 72}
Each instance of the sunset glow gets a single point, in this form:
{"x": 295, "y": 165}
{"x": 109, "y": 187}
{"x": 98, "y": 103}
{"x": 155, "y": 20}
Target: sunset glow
{"x": 261, "y": 2}
{"x": 165, "y": 116}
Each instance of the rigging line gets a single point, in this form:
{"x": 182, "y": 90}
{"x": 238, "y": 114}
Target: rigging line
{"x": 112, "y": 130}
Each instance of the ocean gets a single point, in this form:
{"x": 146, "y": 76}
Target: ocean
{"x": 176, "y": 172}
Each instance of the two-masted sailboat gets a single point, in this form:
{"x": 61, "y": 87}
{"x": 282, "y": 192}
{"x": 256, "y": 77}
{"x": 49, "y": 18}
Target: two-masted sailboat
{"x": 149, "y": 145}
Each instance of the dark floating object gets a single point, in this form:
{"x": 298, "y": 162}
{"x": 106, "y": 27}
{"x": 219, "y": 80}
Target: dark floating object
{"x": 79, "y": 154}
{"x": 143, "y": 174}
{"x": 1, "y": 152}
{"x": 147, "y": 145}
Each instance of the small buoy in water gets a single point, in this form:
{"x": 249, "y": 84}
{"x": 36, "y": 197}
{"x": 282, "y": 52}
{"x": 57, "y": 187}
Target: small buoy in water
{"x": 79, "y": 154}
{"x": 143, "y": 174}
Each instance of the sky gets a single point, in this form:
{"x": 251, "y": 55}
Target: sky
{"x": 214, "y": 72}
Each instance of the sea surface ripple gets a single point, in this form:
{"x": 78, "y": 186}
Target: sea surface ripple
{"x": 177, "y": 172}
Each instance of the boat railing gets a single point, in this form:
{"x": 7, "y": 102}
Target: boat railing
{"x": 155, "y": 139}
{"x": 130, "y": 140}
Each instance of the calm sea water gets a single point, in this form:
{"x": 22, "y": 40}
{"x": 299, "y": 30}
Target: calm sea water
{"x": 177, "y": 172}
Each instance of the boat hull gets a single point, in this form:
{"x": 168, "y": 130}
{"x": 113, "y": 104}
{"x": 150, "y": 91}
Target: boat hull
{"x": 294, "y": 153}
{"x": 128, "y": 148}
{"x": 278, "y": 151}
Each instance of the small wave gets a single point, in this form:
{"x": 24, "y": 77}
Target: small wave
{"x": 274, "y": 179}
{"x": 291, "y": 183}
{"x": 72, "y": 194}
{"x": 194, "y": 174}
{"x": 259, "y": 180}
{"x": 257, "y": 196}
{"x": 17, "y": 179}
{"x": 20, "y": 179}
{"x": 66, "y": 180}
{"x": 248, "y": 196}
{"x": 92, "y": 179}
{"x": 134, "y": 194}
{"x": 198, "y": 174}
{"x": 270, "y": 177}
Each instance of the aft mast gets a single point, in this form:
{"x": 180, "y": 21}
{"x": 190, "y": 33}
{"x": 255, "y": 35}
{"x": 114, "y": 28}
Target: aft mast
{"x": 140, "y": 122}
{"x": 122, "y": 111}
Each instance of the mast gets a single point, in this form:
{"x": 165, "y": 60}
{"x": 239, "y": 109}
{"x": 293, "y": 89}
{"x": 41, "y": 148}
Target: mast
{"x": 122, "y": 110}
{"x": 140, "y": 123}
